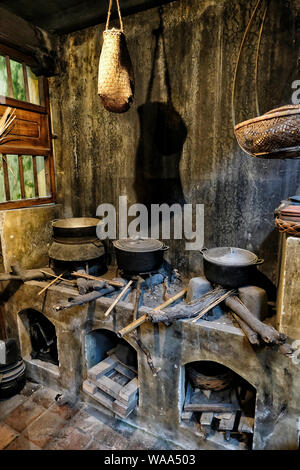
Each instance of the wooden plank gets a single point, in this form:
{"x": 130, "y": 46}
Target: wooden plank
{"x": 226, "y": 424}
{"x": 213, "y": 407}
{"x": 187, "y": 415}
{"x": 122, "y": 410}
{"x": 109, "y": 386}
{"x": 206, "y": 419}
{"x": 9, "y": 78}
{"x": 26, "y": 203}
{"x": 188, "y": 394}
{"x": 119, "y": 378}
{"x": 21, "y": 172}
{"x": 111, "y": 351}
{"x": 132, "y": 369}
{"x": 125, "y": 371}
{"x": 102, "y": 398}
{"x": 35, "y": 176}
{"x": 5, "y": 175}
{"x": 95, "y": 372}
{"x": 129, "y": 391}
{"x": 246, "y": 424}
{"x": 89, "y": 387}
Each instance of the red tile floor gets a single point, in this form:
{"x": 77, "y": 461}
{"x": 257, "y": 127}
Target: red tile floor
{"x": 34, "y": 420}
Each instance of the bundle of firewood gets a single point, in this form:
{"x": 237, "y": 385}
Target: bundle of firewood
{"x": 6, "y": 124}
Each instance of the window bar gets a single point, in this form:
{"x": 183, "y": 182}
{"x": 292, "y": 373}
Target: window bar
{"x": 21, "y": 173}
{"x": 42, "y": 91}
{"x": 6, "y": 180}
{"x": 26, "y": 83}
{"x": 35, "y": 177}
{"x": 9, "y": 79}
{"x": 47, "y": 175}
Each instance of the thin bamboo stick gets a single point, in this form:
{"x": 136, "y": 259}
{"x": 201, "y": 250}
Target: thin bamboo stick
{"x": 50, "y": 283}
{"x": 120, "y": 296}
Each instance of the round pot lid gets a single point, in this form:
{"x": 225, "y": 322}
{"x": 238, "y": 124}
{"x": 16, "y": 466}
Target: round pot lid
{"x": 141, "y": 245}
{"x": 230, "y": 256}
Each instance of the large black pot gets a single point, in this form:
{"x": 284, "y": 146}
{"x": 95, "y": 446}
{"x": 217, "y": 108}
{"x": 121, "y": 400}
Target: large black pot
{"x": 139, "y": 256}
{"x": 230, "y": 267}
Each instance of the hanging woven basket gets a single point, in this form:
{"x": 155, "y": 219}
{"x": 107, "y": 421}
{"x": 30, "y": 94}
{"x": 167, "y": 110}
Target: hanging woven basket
{"x": 275, "y": 134}
{"x": 115, "y": 77}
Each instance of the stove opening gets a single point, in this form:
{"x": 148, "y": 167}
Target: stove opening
{"x": 42, "y": 336}
{"x": 219, "y": 404}
{"x": 112, "y": 378}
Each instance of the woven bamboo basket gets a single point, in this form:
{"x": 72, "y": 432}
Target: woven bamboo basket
{"x": 115, "y": 76}
{"x": 275, "y": 134}
{"x": 288, "y": 227}
{"x": 217, "y": 382}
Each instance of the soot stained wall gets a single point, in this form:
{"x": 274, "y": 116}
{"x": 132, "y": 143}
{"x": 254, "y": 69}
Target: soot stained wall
{"x": 176, "y": 144}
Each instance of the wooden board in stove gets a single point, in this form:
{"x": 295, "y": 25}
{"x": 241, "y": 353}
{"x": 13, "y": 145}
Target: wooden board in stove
{"x": 208, "y": 407}
{"x": 113, "y": 385}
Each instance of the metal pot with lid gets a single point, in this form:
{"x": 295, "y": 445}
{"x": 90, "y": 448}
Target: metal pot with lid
{"x": 139, "y": 255}
{"x": 230, "y": 267}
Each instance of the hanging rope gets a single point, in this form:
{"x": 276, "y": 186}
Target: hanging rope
{"x": 239, "y": 57}
{"x": 257, "y": 59}
{"x": 109, "y": 12}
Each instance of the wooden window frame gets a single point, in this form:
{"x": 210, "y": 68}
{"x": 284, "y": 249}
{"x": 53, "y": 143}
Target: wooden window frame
{"x": 43, "y": 111}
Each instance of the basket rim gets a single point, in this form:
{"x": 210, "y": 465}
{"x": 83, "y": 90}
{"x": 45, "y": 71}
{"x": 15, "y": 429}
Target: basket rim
{"x": 266, "y": 117}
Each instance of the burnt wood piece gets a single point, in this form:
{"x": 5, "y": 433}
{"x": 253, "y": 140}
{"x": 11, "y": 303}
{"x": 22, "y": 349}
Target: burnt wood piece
{"x": 112, "y": 282}
{"x": 85, "y": 299}
{"x": 266, "y": 332}
{"x": 181, "y": 311}
{"x": 82, "y": 283}
{"x": 18, "y": 274}
{"x": 249, "y": 333}
{"x": 28, "y": 39}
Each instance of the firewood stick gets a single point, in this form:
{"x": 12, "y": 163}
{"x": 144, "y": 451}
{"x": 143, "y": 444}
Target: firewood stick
{"x": 133, "y": 325}
{"x": 267, "y": 333}
{"x": 94, "y": 278}
{"x": 51, "y": 283}
{"x": 73, "y": 283}
{"x": 84, "y": 299}
{"x": 212, "y": 305}
{"x": 120, "y": 296}
{"x": 249, "y": 333}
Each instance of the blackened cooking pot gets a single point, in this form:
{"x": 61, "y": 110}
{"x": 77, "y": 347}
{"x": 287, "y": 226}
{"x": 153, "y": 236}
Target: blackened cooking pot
{"x": 139, "y": 255}
{"x": 230, "y": 267}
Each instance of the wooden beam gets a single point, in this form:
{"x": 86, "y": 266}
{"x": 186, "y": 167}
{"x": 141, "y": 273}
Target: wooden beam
{"x": 17, "y": 33}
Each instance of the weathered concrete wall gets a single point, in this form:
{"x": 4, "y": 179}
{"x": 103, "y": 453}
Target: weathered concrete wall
{"x": 177, "y": 143}
{"x": 25, "y": 236}
{"x": 288, "y": 301}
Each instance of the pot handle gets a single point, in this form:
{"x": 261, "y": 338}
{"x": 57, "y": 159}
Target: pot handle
{"x": 259, "y": 262}
{"x": 165, "y": 248}
{"x": 203, "y": 250}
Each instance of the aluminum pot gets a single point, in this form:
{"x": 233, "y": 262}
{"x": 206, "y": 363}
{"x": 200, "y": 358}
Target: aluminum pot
{"x": 79, "y": 227}
{"x": 230, "y": 267}
{"x": 139, "y": 255}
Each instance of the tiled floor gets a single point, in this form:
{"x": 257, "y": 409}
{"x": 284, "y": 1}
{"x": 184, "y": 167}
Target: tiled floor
{"x": 34, "y": 420}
